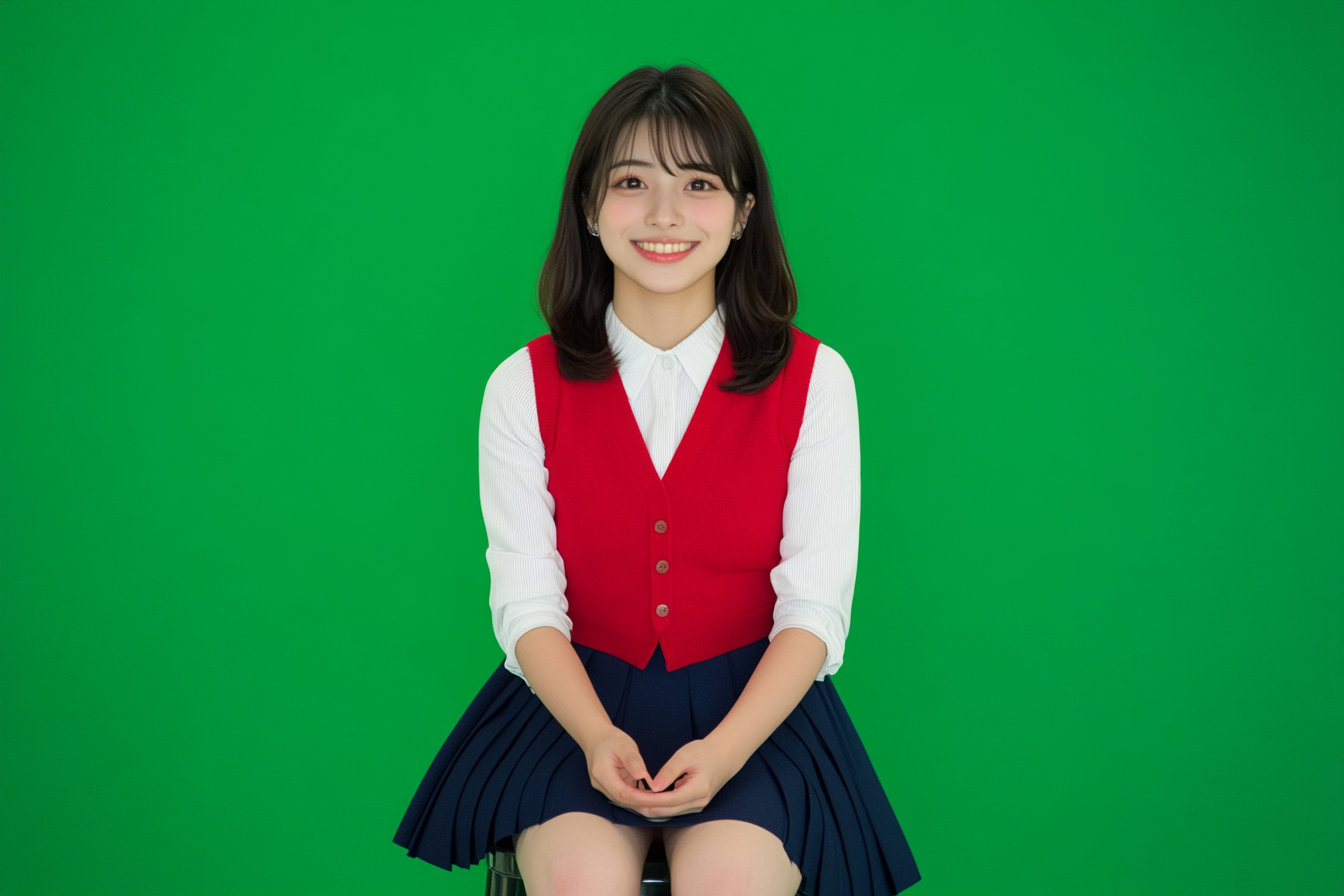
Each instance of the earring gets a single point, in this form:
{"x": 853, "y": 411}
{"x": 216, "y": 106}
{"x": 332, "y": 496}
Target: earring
{"x": 738, "y": 235}
{"x": 592, "y": 228}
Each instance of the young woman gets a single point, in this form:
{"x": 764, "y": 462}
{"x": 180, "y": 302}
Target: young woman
{"x": 670, "y": 486}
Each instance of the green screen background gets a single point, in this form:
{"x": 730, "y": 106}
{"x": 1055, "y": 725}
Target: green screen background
{"x": 1086, "y": 261}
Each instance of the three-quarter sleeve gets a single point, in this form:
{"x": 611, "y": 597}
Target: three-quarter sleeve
{"x": 527, "y": 575}
{"x": 819, "y": 552}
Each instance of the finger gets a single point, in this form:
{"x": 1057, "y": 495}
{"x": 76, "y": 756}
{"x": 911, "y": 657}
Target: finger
{"x": 617, "y": 784}
{"x": 670, "y": 802}
{"x": 684, "y": 806}
{"x": 625, "y": 790}
{"x": 638, "y": 799}
{"x": 626, "y": 766}
{"x": 625, "y": 776}
{"x": 605, "y": 770}
{"x": 634, "y": 764}
{"x": 669, "y": 773}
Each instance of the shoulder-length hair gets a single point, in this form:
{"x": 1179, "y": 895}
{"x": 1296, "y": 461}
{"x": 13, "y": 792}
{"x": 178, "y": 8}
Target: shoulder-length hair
{"x": 753, "y": 283}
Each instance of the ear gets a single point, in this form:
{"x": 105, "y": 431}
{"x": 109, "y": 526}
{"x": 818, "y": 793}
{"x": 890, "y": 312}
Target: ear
{"x": 746, "y": 209}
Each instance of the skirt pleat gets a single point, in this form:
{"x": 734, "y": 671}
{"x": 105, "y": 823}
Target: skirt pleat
{"x": 491, "y": 773}
{"x": 508, "y": 765}
{"x": 841, "y": 799}
{"x": 821, "y": 859}
{"x": 482, "y": 757}
{"x": 540, "y": 738}
{"x": 426, "y": 820}
{"x": 831, "y": 725}
{"x": 482, "y": 752}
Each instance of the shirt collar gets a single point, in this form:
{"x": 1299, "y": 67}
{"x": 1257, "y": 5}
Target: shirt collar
{"x": 696, "y": 354}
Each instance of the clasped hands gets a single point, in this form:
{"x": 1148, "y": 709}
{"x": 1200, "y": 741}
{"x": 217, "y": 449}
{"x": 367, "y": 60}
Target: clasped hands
{"x": 685, "y": 784}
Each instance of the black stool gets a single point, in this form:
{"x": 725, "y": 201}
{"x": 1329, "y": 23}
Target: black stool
{"x": 502, "y": 877}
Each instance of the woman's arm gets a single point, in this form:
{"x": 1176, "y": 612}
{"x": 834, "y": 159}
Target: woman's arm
{"x": 527, "y": 578}
{"x": 819, "y": 553}
{"x": 561, "y": 683}
{"x": 782, "y": 677}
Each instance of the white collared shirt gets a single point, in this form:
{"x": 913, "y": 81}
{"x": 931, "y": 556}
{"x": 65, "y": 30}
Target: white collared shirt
{"x": 814, "y": 581}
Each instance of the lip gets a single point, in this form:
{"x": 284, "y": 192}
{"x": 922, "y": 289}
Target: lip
{"x": 666, "y": 258}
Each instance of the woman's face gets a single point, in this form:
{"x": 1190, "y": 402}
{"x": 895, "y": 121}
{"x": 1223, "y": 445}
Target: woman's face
{"x": 666, "y": 232}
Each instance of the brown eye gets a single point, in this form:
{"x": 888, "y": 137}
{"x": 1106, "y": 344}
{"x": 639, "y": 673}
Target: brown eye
{"x": 622, "y": 181}
{"x": 707, "y": 185}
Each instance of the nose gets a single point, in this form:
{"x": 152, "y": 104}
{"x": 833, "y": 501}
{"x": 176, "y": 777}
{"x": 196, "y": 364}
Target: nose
{"x": 664, "y": 208}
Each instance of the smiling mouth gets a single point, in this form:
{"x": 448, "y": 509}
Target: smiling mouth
{"x": 664, "y": 251}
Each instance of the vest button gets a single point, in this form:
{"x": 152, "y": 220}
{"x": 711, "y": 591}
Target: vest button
{"x": 661, "y": 610}
{"x": 660, "y": 527}
{"x": 661, "y": 566}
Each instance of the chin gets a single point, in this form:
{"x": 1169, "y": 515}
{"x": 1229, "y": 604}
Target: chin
{"x": 668, "y": 283}
{"x": 667, "y": 288}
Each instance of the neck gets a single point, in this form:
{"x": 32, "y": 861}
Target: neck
{"x": 662, "y": 319}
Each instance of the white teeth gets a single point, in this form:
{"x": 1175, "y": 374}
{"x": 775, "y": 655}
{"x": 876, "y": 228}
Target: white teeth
{"x": 664, "y": 248}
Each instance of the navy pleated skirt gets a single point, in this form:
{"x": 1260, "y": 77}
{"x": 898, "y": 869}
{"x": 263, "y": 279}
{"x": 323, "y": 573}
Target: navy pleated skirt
{"x": 508, "y": 764}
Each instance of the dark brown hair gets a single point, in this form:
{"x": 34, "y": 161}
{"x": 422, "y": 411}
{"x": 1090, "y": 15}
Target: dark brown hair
{"x": 753, "y": 283}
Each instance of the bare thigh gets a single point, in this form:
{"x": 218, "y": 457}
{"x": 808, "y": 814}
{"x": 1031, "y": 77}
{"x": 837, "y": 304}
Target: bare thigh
{"x": 729, "y": 858}
{"x": 578, "y": 854}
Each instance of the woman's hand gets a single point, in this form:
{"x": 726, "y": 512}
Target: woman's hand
{"x": 690, "y": 779}
{"x": 615, "y": 767}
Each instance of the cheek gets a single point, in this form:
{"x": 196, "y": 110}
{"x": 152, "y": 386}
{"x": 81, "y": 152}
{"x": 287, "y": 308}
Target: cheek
{"x": 621, "y": 211}
{"x": 712, "y": 217}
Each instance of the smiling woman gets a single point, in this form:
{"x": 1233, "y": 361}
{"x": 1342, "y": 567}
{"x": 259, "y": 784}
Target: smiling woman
{"x": 651, "y": 693}
{"x": 669, "y": 158}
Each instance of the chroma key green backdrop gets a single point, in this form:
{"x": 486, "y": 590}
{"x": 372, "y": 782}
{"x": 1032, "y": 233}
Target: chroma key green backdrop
{"x": 1085, "y": 259}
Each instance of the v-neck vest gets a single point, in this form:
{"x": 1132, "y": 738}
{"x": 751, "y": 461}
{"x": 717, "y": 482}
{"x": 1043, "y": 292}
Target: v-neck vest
{"x": 683, "y": 561}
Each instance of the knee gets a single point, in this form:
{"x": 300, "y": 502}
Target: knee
{"x": 579, "y": 876}
{"x": 578, "y": 855}
{"x": 736, "y": 880}
{"x": 731, "y": 858}
{"x": 716, "y": 879}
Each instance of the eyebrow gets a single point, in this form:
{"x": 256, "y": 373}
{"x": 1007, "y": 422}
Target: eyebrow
{"x": 643, "y": 164}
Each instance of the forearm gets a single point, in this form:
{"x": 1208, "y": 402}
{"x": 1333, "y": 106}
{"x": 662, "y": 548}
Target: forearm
{"x": 781, "y": 679}
{"x": 560, "y": 681}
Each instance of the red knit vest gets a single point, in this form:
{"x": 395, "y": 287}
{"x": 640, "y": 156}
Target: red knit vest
{"x": 683, "y": 561}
